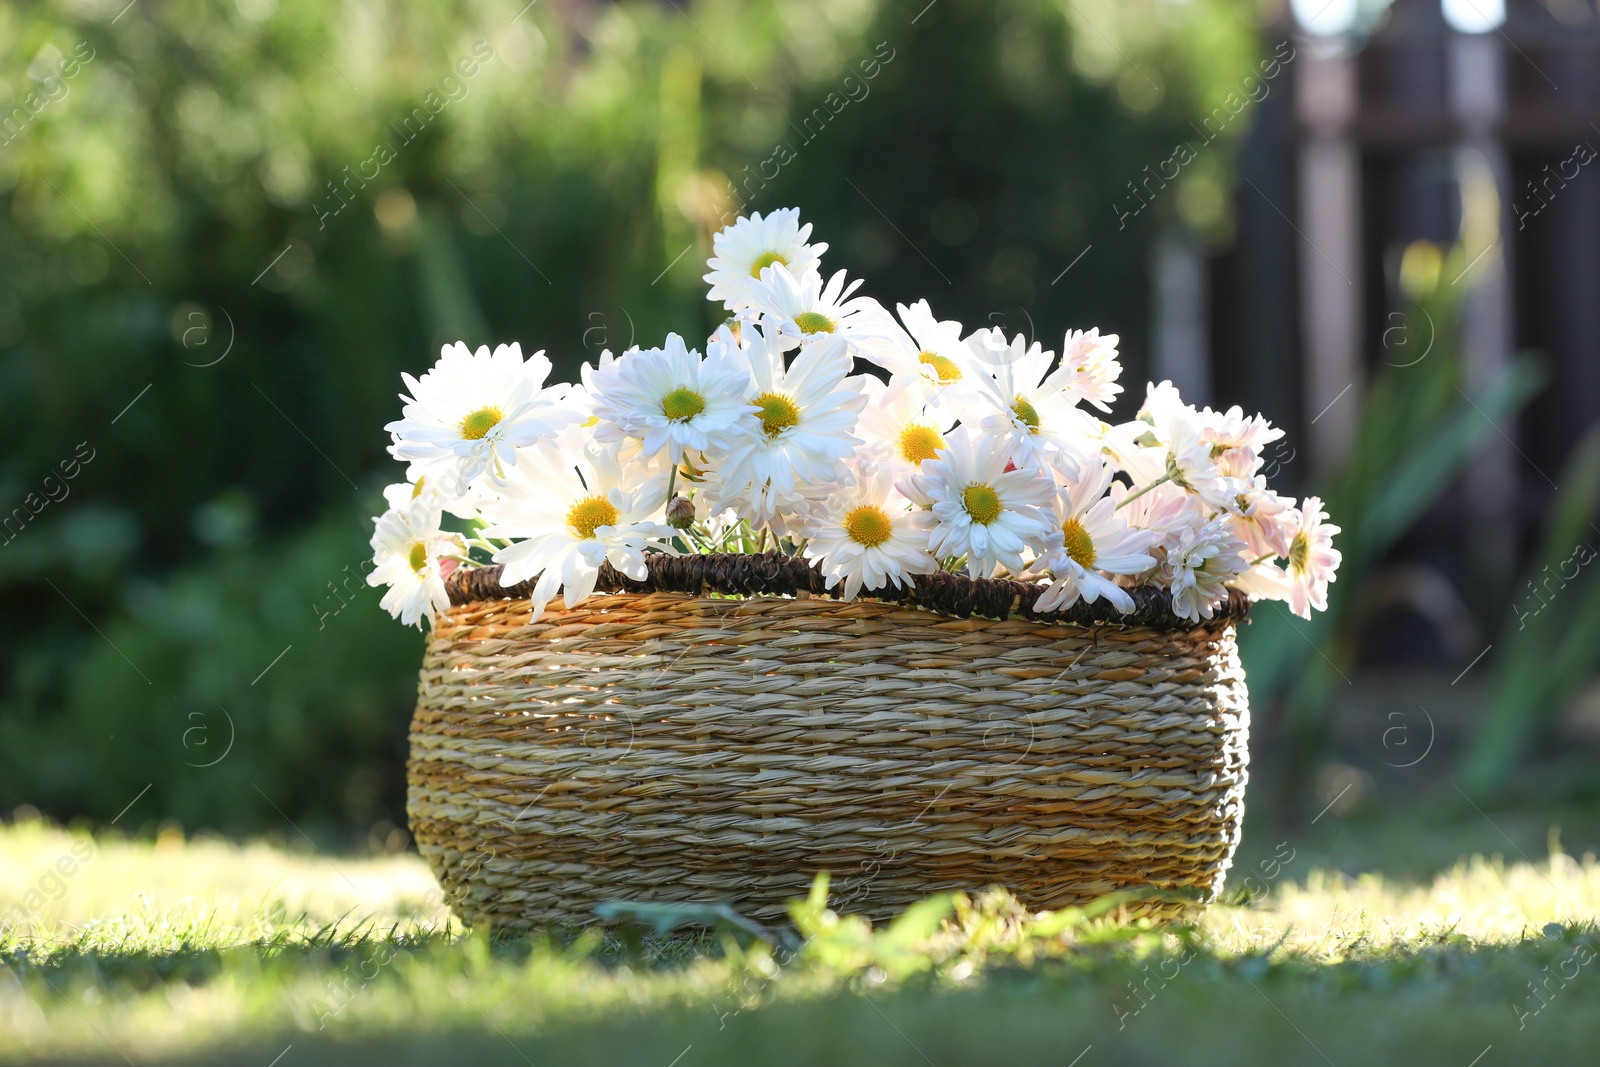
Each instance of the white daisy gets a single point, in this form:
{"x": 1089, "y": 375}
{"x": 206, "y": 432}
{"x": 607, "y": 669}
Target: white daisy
{"x": 743, "y": 250}
{"x": 791, "y": 448}
{"x": 1137, "y": 451}
{"x": 456, "y": 497}
{"x": 941, "y": 354}
{"x": 1015, "y": 396}
{"x": 1165, "y": 511}
{"x": 1091, "y": 366}
{"x": 1199, "y": 566}
{"x": 403, "y": 494}
{"x": 567, "y": 518}
{"x": 1094, "y": 542}
{"x": 715, "y": 521}
{"x": 926, "y": 350}
{"x": 900, "y": 426}
{"x": 868, "y": 536}
{"x": 1237, "y": 441}
{"x": 1313, "y": 560}
{"x": 468, "y": 414}
{"x": 984, "y": 511}
{"x": 1263, "y": 520}
{"x": 412, "y": 556}
{"x": 669, "y": 398}
{"x": 648, "y": 472}
{"x": 805, "y": 310}
{"x": 1163, "y": 404}
{"x": 1190, "y": 467}
{"x": 1166, "y": 442}
{"x": 702, "y": 484}
{"x": 1233, "y": 429}
{"x": 1264, "y": 580}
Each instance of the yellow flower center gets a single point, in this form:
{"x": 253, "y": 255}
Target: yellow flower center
{"x": 1299, "y": 553}
{"x": 1080, "y": 546}
{"x": 682, "y": 403}
{"x": 480, "y": 422}
{"x": 813, "y": 322}
{"x": 765, "y": 260}
{"x": 919, "y": 442}
{"x": 982, "y": 503}
{"x": 419, "y": 557}
{"x": 587, "y": 516}
{"x": 868, "y": 525}
{"x": 416, "y": 490}
{"x": 778, "y": 413}
{"x": 1025, "y": 412}
{"x": 943, "y": 366}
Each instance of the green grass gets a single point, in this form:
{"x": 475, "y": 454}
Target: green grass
{"x": 207, "y": 951}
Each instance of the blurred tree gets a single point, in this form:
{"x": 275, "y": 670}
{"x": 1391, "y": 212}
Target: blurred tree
{"x": 227, "y": 230}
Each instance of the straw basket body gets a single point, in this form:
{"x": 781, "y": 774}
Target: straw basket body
{"x": 676, "y": 746}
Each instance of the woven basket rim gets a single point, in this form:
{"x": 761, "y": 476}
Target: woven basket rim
{"x": 778, "y": 574}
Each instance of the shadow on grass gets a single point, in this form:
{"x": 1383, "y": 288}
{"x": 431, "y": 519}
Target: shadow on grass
{"x": 362, "y": 952}
{"x": 522, "y": 1000}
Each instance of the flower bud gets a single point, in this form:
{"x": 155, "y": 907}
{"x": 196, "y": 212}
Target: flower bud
{"x": 680, "y": 513}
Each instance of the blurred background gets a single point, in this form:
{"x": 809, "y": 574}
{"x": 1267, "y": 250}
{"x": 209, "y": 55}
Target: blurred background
{"x": 226, "y": 228}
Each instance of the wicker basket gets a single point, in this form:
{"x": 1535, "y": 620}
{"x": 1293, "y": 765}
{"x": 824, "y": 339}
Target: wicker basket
{"x": 721, "y": 732}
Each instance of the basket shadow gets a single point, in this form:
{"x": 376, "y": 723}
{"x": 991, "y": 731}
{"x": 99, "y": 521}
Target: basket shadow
{"x": 1213, "y": 1010}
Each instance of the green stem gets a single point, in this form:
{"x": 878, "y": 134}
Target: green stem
{"x": 1135, "y": 496}
{"x": 672, "y": 484}
{"x": 484, "y": 543}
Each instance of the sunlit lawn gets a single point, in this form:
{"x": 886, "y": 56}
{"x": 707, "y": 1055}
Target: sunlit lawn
{"x": 211, "y": 951}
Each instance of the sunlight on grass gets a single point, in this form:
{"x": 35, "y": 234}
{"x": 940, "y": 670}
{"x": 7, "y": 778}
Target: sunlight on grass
{"x": 56, "y": 886}
{"x": 1330, "y": 917}
{"x": 143, "y": 950}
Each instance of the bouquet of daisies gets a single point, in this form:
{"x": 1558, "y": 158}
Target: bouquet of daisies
{"x": 815, "y": 423}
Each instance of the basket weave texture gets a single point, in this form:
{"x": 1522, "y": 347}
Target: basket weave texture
{"x": 676, "y": 746}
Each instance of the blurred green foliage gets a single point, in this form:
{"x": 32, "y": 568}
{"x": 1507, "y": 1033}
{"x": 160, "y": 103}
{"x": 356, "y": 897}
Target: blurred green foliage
{"x": 228, "y": 230}
{"x": 169, "y": 696}
{"x": 1549, "y": 640}
{"x": 1422, "y": 423}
